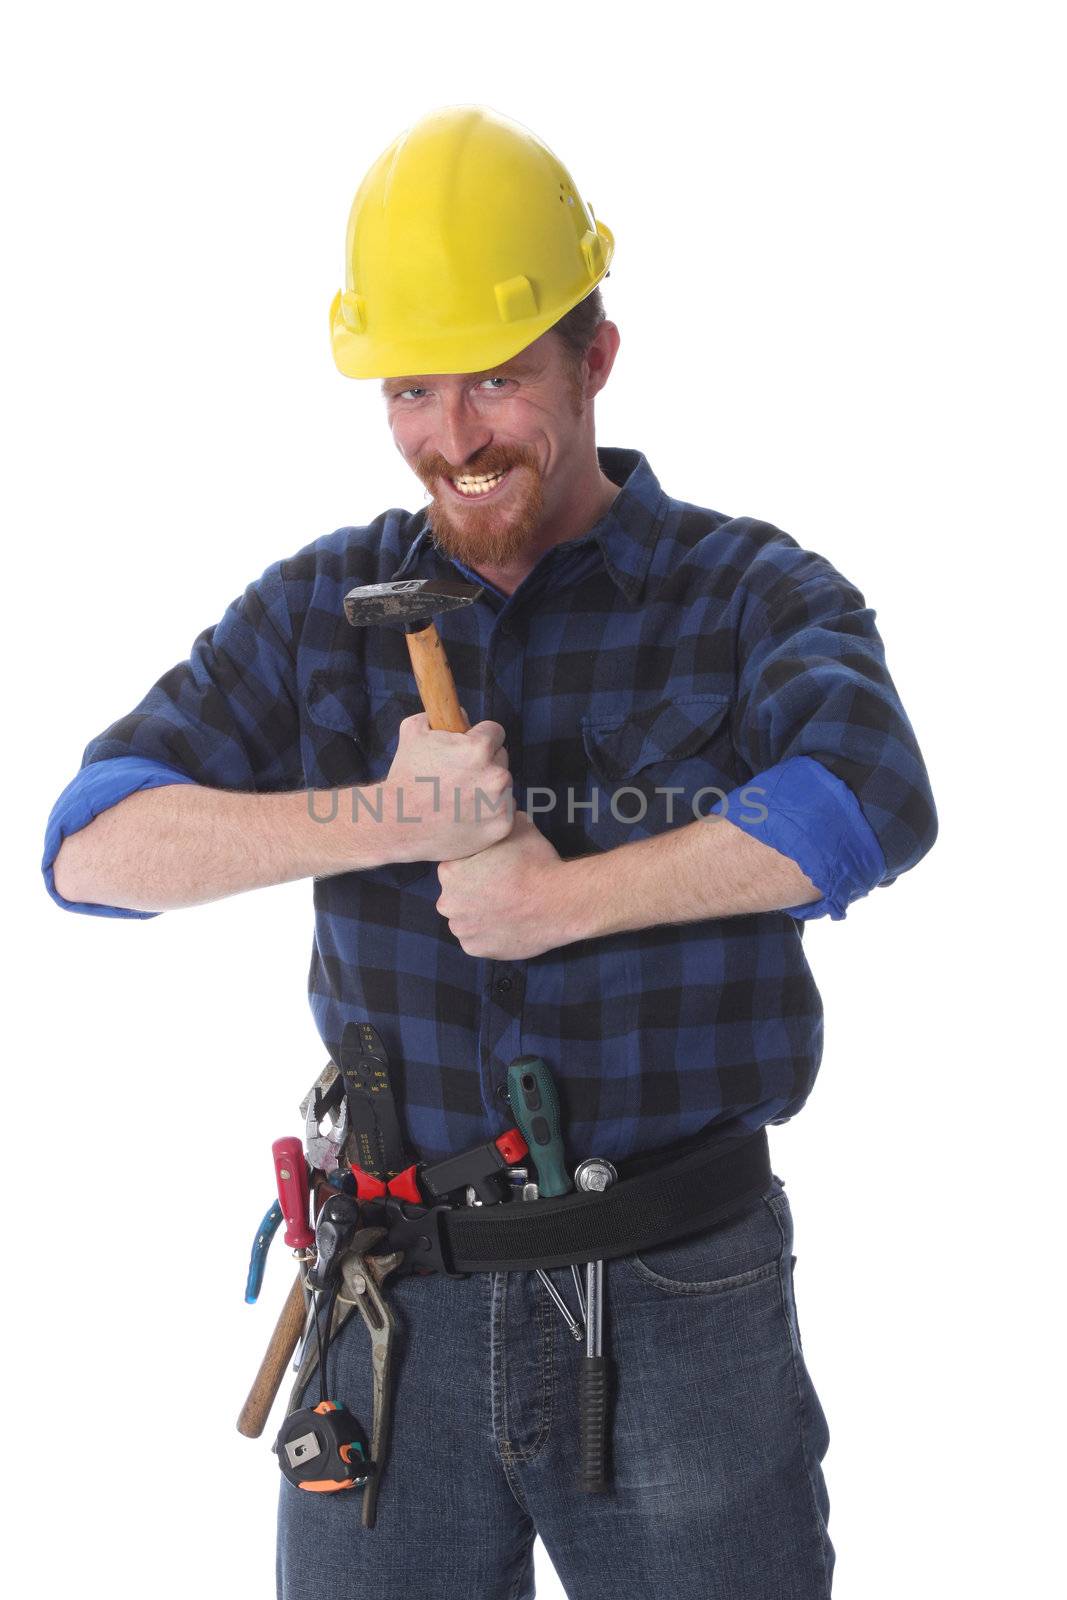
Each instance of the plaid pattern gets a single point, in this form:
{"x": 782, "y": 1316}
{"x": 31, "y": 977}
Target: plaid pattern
{"x": 671, "y": 648}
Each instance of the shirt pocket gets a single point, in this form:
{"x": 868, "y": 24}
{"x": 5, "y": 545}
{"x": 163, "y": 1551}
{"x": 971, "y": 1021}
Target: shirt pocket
{"x": 350, "y": 741}
{"x": 656, "y": 769}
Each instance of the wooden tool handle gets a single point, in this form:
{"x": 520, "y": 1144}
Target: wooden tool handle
{"x": 436, "y": 684}
{"x": 268, "y": 1380}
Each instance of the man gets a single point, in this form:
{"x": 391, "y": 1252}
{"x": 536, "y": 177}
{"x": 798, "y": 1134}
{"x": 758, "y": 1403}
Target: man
{"x": 685, "y": 743}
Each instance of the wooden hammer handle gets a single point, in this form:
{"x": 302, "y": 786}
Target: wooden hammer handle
{"x": 436, "y": 684}
{"x": 268, "y": 1380}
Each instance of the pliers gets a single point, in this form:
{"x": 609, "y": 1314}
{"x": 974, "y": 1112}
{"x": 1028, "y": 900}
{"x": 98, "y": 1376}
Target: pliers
{"x": 325, "y": 1120}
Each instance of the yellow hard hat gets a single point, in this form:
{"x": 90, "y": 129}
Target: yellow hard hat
{"x": 466, "y": 241}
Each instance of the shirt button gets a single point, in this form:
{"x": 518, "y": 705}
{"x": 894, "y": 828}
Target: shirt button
{"x": 502, "y": 985}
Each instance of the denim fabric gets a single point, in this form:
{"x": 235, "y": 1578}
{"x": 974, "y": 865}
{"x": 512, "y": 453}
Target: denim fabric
{"x": 717, "y": 1488}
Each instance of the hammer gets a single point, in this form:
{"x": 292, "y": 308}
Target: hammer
{"x": 415, "y": 602}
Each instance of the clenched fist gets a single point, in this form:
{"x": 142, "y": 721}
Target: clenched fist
{"x": 453, "y": 790}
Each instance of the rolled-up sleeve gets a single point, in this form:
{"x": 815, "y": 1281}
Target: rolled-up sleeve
{"x": 226, "y": 718}
{"x": 838, "y": 782}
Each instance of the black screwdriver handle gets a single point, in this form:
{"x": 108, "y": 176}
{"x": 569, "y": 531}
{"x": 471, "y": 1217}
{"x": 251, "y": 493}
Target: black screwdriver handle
{"x": 593, "y": 1424}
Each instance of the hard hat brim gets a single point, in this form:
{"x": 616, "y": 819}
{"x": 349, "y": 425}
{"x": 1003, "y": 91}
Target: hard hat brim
{"x": 425, "y": 353}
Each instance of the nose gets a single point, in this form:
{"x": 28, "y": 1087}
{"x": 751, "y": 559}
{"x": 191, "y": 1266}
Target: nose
{"x": 460, "y": 432}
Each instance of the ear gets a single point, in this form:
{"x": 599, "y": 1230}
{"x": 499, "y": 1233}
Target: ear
{"x": 600, "y": 358}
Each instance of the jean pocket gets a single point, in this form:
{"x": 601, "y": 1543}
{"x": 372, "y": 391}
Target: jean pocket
{"x": 791, "y": 1305}
{"x": 735, "y": 1253}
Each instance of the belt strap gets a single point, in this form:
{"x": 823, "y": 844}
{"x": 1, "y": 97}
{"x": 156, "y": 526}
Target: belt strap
{"x": 686, "y": 1195}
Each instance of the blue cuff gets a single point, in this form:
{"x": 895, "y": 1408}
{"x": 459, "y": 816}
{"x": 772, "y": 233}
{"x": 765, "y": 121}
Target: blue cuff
{"x": 94, "y": 789}
{"x": 811, "y": 816}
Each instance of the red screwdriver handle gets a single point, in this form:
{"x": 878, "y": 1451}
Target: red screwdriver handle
{"x": 290, "y": 1170}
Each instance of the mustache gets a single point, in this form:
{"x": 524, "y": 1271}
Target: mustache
{"x": 431, "y": 465}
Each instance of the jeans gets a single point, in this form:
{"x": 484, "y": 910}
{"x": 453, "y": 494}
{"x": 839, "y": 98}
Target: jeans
{"x": 717, "y": 1435}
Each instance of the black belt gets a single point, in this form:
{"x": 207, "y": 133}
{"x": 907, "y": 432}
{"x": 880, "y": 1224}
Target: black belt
{"x": 684, "y": 1195}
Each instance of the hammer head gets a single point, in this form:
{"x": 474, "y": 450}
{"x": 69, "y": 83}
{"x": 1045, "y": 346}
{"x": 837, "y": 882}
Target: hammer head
{"x": 413, "y": 600}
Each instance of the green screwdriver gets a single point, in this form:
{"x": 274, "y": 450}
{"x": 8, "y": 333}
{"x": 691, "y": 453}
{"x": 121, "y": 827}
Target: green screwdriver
{"x": 535, "y": 1104}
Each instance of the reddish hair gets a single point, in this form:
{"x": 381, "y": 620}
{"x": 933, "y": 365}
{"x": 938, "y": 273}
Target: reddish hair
{"x": 577, "y": 328}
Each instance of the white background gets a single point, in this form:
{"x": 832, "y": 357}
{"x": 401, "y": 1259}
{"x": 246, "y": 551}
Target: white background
{"x": 840, "y": 296}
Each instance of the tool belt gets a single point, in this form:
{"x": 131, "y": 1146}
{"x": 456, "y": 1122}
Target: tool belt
{"x": 377, "y": 1216}
{"x": 649, "y": 1205}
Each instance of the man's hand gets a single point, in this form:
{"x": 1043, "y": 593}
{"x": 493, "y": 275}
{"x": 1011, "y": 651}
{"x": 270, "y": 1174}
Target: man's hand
{"x": 519, "y": 898}
{"x": 506, "y": 903}
{"x": 455, "y": 790}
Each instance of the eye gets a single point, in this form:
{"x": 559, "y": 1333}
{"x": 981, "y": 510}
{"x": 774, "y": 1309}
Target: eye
{"x": 415, "y": 389}
{"x": 501, "y": 381}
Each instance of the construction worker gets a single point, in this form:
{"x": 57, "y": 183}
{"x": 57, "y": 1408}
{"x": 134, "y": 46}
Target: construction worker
{"x": 684, "y": 744}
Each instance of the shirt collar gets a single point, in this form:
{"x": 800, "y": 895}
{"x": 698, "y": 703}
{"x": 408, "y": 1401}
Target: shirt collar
{"x": 626, "y": 534}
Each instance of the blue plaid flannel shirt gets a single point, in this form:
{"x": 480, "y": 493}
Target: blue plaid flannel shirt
{"x": 670, "y": 662}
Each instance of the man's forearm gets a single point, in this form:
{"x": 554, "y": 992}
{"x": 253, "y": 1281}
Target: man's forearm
{"x": 705, "y": 869}
{"x": 184, "y": 845}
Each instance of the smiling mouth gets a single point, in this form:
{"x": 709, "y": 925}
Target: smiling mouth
{"x": 477, "y": 486}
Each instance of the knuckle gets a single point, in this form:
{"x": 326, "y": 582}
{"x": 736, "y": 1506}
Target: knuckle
{"x": 489, "y": 734}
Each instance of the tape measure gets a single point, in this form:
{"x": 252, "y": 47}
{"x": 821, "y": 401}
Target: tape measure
{"x": 323, "y": 1448}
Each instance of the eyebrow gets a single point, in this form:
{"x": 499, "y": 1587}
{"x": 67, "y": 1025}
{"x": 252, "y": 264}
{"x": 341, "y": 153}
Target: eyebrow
{"x": 516, "y": 367}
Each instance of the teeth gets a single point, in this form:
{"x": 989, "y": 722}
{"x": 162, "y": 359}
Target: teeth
{"x": 478, "y": 485}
